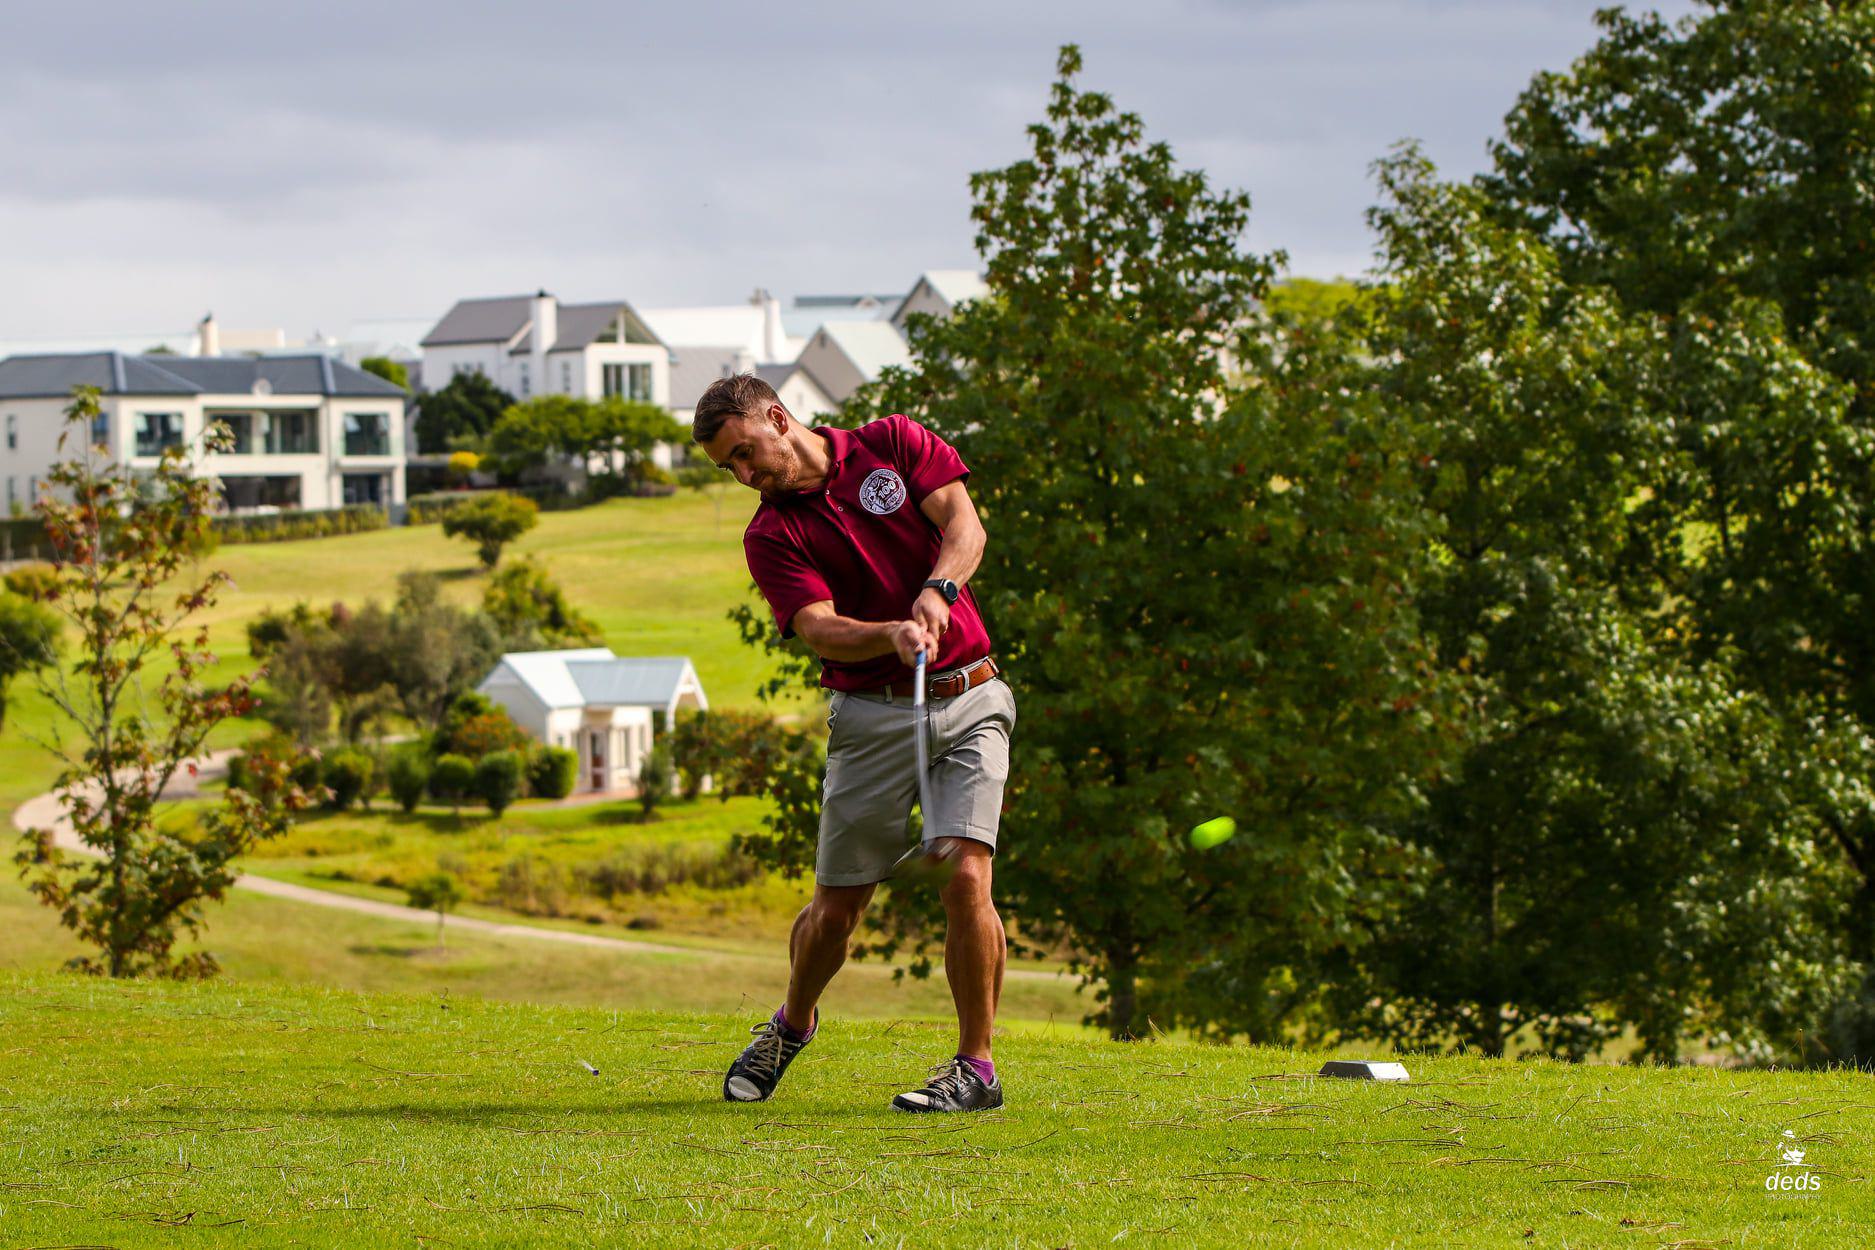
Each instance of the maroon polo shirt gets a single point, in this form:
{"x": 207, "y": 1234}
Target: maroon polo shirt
{"x": 861, "y": 540}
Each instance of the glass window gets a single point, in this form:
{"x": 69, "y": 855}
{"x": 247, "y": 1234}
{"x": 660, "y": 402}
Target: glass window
{"x": 241, "y": 425}
{"x": 100, "y": 430}
{"x": 525, "y": 388}
{"x": 364, "y": 488}
{"x": 246, "y": 494}
{"x": 157, "y": 430}
{"x": 639, "y": 386}
{"x": 291, "y": 433}
{"x": 612, "y": 379}
{"x": 566, "y": 377}
{"x": 13, "y": 432}
{"x": 368, "y": 434}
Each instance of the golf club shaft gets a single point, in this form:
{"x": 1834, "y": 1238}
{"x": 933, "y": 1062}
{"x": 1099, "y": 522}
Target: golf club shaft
{"x": 919, "y": 726}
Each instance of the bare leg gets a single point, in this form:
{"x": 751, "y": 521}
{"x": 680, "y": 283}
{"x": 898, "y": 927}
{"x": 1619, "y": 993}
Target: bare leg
{"x": 817, "y": 946}
{"x": 975, "y": 947}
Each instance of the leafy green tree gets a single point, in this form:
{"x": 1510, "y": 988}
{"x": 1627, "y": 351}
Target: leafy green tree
{"x": 464, "y": 410}
{"x": 440, "y": 892}
{"x": 438, "y": 651}
{"x": 391, "y": 371}
{"x": 29, "y": 640}
{"x": 626, "y": 432}
{"x": 541, "y": 431}
{"x": 491, "y": 523}
{"x": 118, "y": 539}
{"x": 1201, "y": 586}
{"x": 531, "y": 610}
{"x": 1570, "y": 858}
{"x": 1714, "y": 173}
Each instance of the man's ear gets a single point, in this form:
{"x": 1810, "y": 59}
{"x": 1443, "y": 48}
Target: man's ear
{"x": 778, "y": 416}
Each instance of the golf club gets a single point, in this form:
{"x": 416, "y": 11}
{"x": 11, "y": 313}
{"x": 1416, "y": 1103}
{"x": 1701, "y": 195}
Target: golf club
{"x": 915, "y": 862}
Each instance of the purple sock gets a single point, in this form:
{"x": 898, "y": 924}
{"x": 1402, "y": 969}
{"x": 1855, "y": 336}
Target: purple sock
{"x": 984, "y": 1068}
{"x": 794, "y": 1035}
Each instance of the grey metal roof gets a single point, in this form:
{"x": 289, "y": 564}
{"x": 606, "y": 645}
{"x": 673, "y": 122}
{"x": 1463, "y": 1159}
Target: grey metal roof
{"x": 775, "y": 375}
{"x": 577, "y": 325}
{"x": 694, "y": 368}
{"x": 650, "y": 681}
{"x": 482, "y": 321}
{"x": 114, "y": 373}
{"x": 54, "y": 376}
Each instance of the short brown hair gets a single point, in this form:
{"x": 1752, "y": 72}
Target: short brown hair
{"x": 739, "y": 395}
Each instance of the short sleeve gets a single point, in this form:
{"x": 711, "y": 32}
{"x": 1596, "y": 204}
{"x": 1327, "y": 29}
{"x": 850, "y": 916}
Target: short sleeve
{"x": 784, "y": 575}
{"x": 925, "y": 460}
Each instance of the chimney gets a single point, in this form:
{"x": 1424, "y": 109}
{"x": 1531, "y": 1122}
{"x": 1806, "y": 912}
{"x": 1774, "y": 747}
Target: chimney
{"x": 207, "y": 336}
{"x": 546, "y": 333}
{"x": 774, "y": 338}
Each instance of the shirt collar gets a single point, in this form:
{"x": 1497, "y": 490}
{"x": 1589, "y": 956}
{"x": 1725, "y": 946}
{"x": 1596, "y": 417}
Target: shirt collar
{"x": 840, "y": 442}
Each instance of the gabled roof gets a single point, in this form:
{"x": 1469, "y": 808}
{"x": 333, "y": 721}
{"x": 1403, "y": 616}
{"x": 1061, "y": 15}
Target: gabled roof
{"x": 870, "y": 345}
{"x": 114, "y": 373}
{"x": 957, "y": 285}
{"x": 577, "y": 325}
{"x": 594, "y": 677}
{"x": 652, "y": 681}
{"x": 482, "y": 321}
{"x": 953, "y": 286}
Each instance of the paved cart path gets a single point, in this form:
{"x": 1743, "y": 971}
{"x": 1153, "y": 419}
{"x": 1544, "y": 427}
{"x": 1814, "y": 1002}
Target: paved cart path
{"x": 43, "y": 812}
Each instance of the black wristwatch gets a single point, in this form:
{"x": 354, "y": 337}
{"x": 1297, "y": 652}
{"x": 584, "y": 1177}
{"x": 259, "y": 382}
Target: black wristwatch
{"x": 946, "y": 587}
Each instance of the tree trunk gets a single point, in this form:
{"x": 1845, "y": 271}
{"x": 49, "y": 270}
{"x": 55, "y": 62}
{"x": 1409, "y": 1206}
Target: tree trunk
{"x": 1122, "y": 995}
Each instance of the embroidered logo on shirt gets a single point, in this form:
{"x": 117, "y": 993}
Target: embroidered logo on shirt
{"x": 882, "y": 492}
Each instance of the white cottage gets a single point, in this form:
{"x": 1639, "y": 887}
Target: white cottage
{"x": 603, "y": 706}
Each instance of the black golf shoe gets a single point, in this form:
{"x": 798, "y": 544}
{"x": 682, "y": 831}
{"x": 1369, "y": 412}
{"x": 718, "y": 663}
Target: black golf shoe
{"x": 954, "y": 1086}
{"x": 757, "y": 1070}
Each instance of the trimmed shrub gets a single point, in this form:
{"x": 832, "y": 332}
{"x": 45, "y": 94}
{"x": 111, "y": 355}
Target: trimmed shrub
{"x": 409, "y": 777}
{"x": 309, "y": 773}
{"x": 552, "y": 772}
{"x": 655, "y": 776}
{"x": 348, "y": 775}
{"x": 498, "y": 779}
{"x": 451, "y": 778}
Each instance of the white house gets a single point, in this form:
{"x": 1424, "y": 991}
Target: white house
{"x": 531, "y": 345}
{"x": 844, "y": 355}
{"x": 605, "y": 707}
{"x": 939, "y": 292}
{"x": 310, "y": 431}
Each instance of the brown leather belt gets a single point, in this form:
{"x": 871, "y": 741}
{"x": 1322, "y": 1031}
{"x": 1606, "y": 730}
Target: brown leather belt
{"x": 949, "y": 685}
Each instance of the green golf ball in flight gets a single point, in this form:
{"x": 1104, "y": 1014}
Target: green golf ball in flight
{"x": 1213, "y": 833}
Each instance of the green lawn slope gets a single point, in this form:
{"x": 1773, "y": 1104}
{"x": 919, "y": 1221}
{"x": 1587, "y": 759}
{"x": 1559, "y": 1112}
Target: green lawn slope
{"x": 658, "y": 575}
{"x": 225, "y": 1115}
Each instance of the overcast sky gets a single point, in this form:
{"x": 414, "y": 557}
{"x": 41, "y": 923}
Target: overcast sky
{"x": 311, "y": 166}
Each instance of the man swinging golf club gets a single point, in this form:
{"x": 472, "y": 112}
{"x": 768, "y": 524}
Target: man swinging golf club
{"x": 862, "y": 544}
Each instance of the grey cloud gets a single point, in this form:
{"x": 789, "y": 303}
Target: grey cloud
{"x": 305, "y": 167}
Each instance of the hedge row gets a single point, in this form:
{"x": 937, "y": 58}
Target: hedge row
{"x": 270, "y": 527}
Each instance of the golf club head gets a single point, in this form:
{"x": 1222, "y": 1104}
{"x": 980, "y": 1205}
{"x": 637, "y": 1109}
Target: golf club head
{"x": 927, "y": 863}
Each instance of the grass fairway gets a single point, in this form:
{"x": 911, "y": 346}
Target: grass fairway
{"x": 235, "y": 1115}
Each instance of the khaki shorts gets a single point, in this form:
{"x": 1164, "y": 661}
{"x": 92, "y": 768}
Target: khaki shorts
{"x": 872, "y": 777}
